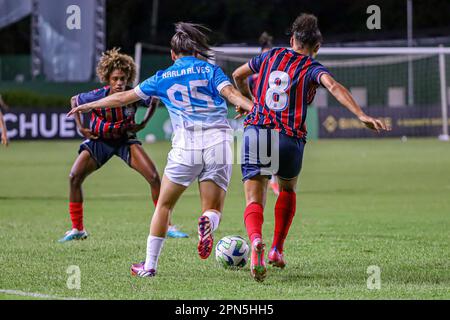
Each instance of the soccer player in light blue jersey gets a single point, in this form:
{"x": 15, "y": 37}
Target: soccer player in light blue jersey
{"x": 194, "y": 92}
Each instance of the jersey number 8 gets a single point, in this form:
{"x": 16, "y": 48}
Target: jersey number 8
{"x": 276, "y": 97}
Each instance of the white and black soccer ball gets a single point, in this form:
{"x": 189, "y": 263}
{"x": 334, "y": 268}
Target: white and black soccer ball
{"x": 232, "y": 251}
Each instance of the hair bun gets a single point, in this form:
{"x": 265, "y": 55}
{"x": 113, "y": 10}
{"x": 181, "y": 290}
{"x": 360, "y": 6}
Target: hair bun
{"x": 306, "y": 30}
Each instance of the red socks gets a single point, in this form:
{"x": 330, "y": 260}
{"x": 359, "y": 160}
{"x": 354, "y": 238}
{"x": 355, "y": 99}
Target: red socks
{"x": 76, "y": 215}
{"x": 284, "y": 213}
{"x": 253, "y": 219}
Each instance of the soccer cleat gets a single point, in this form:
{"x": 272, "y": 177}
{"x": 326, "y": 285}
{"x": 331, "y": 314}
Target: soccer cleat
{"x": 276, "y": 258}
{"x": 275, "y": 187}
{"x": 258, "y": 264}
{"x": 174, "y": 232}
{"x": 205, "y": 237}
{"x": 137, "y": 269}
{"x": 74, "y": 234}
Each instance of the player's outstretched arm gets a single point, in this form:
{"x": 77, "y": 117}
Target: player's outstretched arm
{"x": 3, "y": 128}
{"x": 345, "y": 98}
{"x": 240, "y": 76}
{"x": 113, "y": 101}
{"x": 235, "y": 97}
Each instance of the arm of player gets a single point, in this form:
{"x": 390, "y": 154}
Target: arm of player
{"x": 113, "y": 101}
{"x": 148, "y": 115}
{"x": 233, "y": 96}
{"x": 150, "y": 110}
{"x": 240, "y": 76}
{"x": 3, "y": 128}
{"x": 345, "y": 98}
{"x": 86, "y": 132}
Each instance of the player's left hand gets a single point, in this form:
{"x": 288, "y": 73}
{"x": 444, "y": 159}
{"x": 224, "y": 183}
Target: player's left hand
{"x": 84, "y": 108}
{"x": 374, "y": 124}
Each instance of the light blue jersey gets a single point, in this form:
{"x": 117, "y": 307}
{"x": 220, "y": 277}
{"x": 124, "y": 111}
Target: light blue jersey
{"x": 190, "y": 89}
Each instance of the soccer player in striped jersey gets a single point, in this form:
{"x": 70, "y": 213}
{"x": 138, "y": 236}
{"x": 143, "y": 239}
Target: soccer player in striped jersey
{"x": 112, "y": 131}
{"x": 265, "y": 40}
{"x": 195, "y": 93}
{"x": 286, "y": 85}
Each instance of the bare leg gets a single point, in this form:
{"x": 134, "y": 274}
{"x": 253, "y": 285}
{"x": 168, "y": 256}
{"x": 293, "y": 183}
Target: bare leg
{"x": 83, "y": 166}
{"x": 142, "y": 163}
{"x": 212, "y": 196}
{"x": 256, "y": 190}
{"x": 170, "y": 193}
{"x": 288, "y": 185}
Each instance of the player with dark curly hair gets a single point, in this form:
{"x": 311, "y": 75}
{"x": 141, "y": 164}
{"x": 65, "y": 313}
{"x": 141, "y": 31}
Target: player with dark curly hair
{"x": 112, "y": 131}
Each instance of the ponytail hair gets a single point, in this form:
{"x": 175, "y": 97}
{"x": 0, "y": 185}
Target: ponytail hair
{"x": 306, "y": 31}
{"x": 265, "y": 41}
{"x": 190, "y": 39}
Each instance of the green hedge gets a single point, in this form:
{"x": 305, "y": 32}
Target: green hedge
{"x": 24, "y": 98}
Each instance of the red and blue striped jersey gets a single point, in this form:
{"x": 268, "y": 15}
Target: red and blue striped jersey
{"x": 286, "y": 84}
{"x": 110, "y": 123}
{"x": 251, "y": 83}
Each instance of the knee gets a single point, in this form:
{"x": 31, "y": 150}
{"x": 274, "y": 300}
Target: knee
{"x": 288, "y": 188}
{"x": 76, "y": 179}
{"x": 164, "y": 206}
{"x": 255, "y": 199}
{"x": 154, "y": 180}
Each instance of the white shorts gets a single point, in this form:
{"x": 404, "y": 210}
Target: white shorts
{"x": 213, "y": 163}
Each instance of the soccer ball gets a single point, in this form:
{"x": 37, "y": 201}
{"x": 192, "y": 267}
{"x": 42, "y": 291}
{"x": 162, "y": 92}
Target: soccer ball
{"x": 232, "y": 251}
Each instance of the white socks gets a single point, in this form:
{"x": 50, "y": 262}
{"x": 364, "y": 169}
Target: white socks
{"x": 154, "y": 246}
{"x": 214, "y": 219}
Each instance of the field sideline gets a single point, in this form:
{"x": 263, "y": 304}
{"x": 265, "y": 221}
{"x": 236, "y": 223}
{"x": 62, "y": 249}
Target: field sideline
{"x": 360, "y": 203}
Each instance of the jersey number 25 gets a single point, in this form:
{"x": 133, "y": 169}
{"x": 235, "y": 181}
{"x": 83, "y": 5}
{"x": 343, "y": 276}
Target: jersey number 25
{"x": 186, "y": 97}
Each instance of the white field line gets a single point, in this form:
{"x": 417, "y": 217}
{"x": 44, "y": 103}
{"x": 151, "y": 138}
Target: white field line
{"x": 37, "y": 295}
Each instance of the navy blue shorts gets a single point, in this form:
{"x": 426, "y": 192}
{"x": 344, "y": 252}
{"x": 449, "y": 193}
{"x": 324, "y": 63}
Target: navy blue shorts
{"x": 266, "y": 152}
{"x": 103, "y": 150}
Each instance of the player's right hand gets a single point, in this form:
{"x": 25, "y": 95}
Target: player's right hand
{"x": 374, "y": 124}
{"x": 88, "y": 134}
{"x": 82, "y": 109}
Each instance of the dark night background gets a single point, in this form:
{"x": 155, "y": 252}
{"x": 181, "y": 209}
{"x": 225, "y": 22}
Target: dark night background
{"x": 239, "y": 21}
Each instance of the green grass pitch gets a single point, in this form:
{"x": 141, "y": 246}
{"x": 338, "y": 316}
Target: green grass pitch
{"x": 360, "y": 203}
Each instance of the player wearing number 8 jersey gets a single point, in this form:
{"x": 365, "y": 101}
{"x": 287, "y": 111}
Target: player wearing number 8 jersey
{"x": 286, "y": 85}
{"x": 193, "y": 91}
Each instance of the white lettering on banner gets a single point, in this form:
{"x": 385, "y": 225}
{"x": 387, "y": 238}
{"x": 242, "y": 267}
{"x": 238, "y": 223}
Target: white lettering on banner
{"x": 43, "y": 125}
{"x": 10, "y": 117}
{"x": 31, "y": 125}
{"x": 73, "y": 21}
{"x": 374, "y": 20}
{"x": 40, "y": 125}
{"x": 66, "y": 127}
